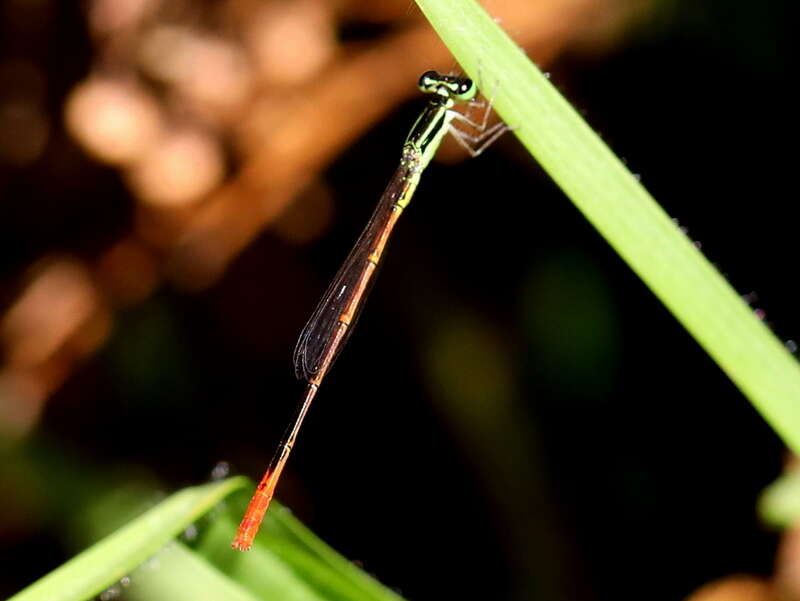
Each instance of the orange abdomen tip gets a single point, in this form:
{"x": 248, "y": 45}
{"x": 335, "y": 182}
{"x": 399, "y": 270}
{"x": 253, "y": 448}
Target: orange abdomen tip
{"x": 251, "y": 522}
{"x": 243, "y": 541}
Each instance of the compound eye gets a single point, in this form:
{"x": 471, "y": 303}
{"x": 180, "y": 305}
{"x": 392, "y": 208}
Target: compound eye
{"x": 428, "y": 81}
{"x": 466, "y": 90}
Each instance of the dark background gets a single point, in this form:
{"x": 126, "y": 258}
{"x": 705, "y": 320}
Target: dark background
{"x": 515, "y": 411}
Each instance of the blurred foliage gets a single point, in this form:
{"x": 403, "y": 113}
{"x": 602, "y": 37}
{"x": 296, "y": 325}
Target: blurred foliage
{"x": 290, "y": 564}
{"x": 779, "y": 505}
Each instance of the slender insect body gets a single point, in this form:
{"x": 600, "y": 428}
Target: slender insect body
{"x": 331, "y": 324}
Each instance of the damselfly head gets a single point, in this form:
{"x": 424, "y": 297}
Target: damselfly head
{"x": 462, "y": 89}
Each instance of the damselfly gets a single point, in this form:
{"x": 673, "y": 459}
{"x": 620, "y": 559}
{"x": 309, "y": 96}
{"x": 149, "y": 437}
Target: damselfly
{"x": 332, "y": 322}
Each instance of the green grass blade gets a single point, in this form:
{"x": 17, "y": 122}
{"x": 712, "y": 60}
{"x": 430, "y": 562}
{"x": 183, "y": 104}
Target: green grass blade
{"x": 104, "y": 563}
{"x": 624, "y": 213}
{"x": 284, "y": 543}
{"x": 285, "y": 527}
{"x": 179, "y": 574}
{"x": 288, "y": 561}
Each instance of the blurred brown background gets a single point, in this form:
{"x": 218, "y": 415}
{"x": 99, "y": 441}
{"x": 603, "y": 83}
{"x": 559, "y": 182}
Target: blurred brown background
{"x": 516, "y": 416}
